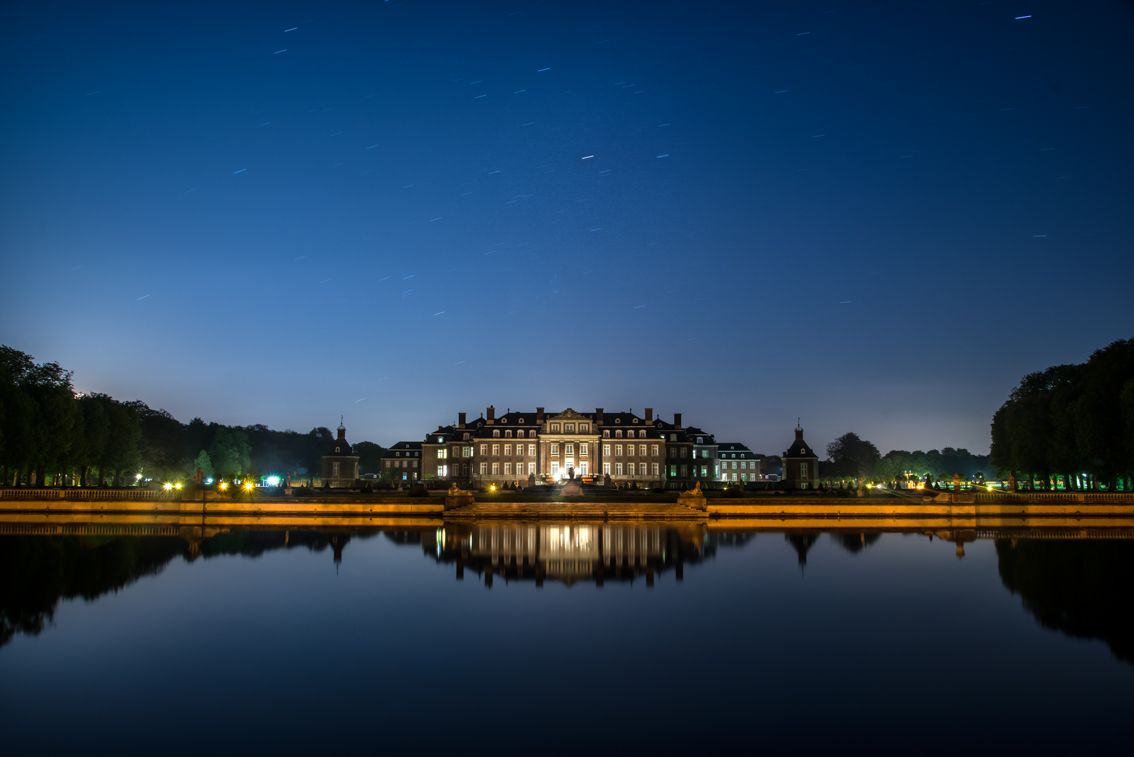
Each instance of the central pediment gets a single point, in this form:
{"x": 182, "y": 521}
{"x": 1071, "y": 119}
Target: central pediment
{"x": 568, "y": 415}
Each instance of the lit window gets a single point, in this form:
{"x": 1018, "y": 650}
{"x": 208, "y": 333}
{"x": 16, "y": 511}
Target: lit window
{"x": 630, "y": 468}
{"x": 555, "y": 468}
{"x": 483, "y": 468}
{"x": 495, "y": 468}
{"x": 495, "y": 450}
{"x": 440, "y": 470}
{"x": 655, "y": 469}
{"x": 606, "y": 450}
{"x": 654, "y": 450}
{"x": 507, "y": 468}
{"x": 531, "y": 449}
{"x": 508, "y": 449}
{"x": 520, "y": 433}
{"x": 519, "y": 450}
{"x": 618, "y": 450}
{"x": 583, "y": 468}
{"x": 629, "y": 450}
{"x": 618, "y": 469}
{"x": 582, "y": 449}
{"x": 606, "y": 468}
{"x": 642, "y": 450}
{"x": 555, "y": 449}
{"x": 508, "y": 433}
{"x": 606, "y": 434}
{"x": 531, "y": 467}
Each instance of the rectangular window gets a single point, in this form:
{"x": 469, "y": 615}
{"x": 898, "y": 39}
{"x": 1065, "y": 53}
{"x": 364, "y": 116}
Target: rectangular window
{"x": 495, "y": 450}
{"x": 483, "y": 468}
{"x": 508, "y": 450}
{"x": 684, "y": 471}
{"x": 618, "y": 469}
{"x": 606, "y": 468}
{"x": 618, "y": 450}
{"x": 468, "y": 452}
{"x": 413, "y": 463}
{"x": 803, "y": 472}
{"x": 734, "y": 467}
{"x": 568, "y": 449}
{"x": 495, "y": 468}
{"x": 629, "y": 450}
{"x": 642, "y": 450}
{"x": 555, "y": 427}
{"x": 519, "y": 450}
{"x": 654, "y": 450}
{"x": 583, "y": 468}
{"x": 555, "y": 449}
{"x": 441, "y": 454}
{"x": 655, "y": 469}
{"x": 507, "y": 469}
{"x": 334, "y": 470}
{"x": 569, "y": 428}
{"x": 673, "y": 471}
{"x": 484, "y": 449}
{"x": 685, "y": 452}
{"x": 583, "y": 428}
{"x": 531, "y": 467}
{"x": 555, "y": 468}
{"x": 531, "y": 450}
{"x": 733, "y": 476}
{"x": 582, "y": 450}
{"x": 606, "y": 450}
{"x": 441, "y": 471}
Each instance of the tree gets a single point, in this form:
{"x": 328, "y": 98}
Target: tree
{"x": 205, "y": 464}
{"x": 369, "y": 457}
{"x": 852, "y": 456}
{"x": 230, "y": 453}
{"x": 163, "y": 445}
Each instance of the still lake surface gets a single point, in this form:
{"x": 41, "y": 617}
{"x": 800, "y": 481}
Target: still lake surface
{"x": 495, "y": 638}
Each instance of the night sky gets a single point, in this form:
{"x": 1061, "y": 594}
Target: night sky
{"x": 874, "y": 216}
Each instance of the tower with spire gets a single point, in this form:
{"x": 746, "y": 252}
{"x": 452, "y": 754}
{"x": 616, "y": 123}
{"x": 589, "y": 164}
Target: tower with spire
{"x": 801, "y": 464}
{"x": 340, "y": 465}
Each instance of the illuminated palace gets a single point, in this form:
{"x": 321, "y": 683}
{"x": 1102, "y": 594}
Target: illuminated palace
{"x": 609, "y": 447}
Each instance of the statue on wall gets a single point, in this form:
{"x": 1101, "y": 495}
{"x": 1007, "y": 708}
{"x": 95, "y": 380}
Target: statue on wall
{"x": 1013, "y": 486}
{"x": 571, "y": 473}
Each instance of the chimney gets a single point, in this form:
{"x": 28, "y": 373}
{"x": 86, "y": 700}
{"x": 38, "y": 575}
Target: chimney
{"x": 799, "y": 435}
{"x": 598, "y": 415}
{"x": 677, "y": 420}
{"x": 649, "y": 415}
{"x": 461, "y": 420}
{"x": 539, "y": 415}
{"x": 491, "y": 411}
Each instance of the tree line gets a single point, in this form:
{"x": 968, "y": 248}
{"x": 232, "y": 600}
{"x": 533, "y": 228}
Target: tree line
{"x": 1072, "y": 424}
{"x": 850, "y": 457}
{"x": 51, "y": 435}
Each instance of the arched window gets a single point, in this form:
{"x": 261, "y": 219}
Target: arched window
{"x": 508, "y": 433}
{"x": 496, "y": 433}
{"x": 520, "y": 433}
{"x": 606, "y": 434}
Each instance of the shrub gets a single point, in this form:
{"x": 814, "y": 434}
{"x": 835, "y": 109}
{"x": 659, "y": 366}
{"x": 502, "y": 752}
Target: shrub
{"x": 417, "y": 491}
{"x": 733, "y": 491}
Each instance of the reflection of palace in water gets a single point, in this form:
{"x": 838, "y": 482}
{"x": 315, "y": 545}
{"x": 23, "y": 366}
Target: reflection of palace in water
{"x": 570, "y": 553}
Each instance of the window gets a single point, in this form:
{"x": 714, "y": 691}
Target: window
{"x": 673, "y": 451}
{"x": 414, "y": 463}
{"x": 483, "y": 468}
{"x": 654, "y": 450}
{"x": 635, "y": 420}
{"x": 673, "y": 471}
{"x": 733, "y": 476}
{"x": 495, "y": 468}
{"x": 584, "y": 428}
{"x": 606, "y": 434}
{"x": 673, "y": 437}
{"x": 582, "y": 449}
{"x": 335, "y": 467}
{"x": 655, "y": 469}
{"x": 442, "y": 454}
{"x": 496, "y": 433}
{"x": 734, "y": 468}
{"x": 569, "y": 428}
{"x": 803, "y": 472}
{"x": 618, "y": 420}
{"x": 642, "y": 450}
{"x": 495, "y": 450}
{"x": 467, "y": 451}
{"x": 630, "y": 468}
{"x": 606, "y": 450}
{"x": 618, "y": 469}
{"x": 618, "y": 450}
{"x": 508, "y": 433}
{"x": 531, "y": 450}
{"x": 583, "y": 468}
{"x": 531, "y": 467}
{"x": 507, "y": 469}
{"x": 641, "y": 434}
{"x": 508, "y": 450}
{"x": 521, "y": 422}
{"x": 685, "y": 452}
{"x": 520, "y": 433}
{"x": 440, "y": 471}
{"x": 568, "y": 449}
{"x": 466, "y": 436}
{"x": 555, "y": 468}
{"x": 554, "y": 426}
{"x": 519, "y": 450}
{"x": 606, "y": 468}
{"x": 336, "y": 449}
{"x": 555, "y": 449}
{"x": 397, "y": 454}
{"x": 484, "y": 449}
{"x": 684, "y": 468}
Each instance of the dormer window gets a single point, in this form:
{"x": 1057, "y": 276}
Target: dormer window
{"x": 606, "y": 434}
{"x": 583, "y": 428}
{"x": 635, "y": 420}
{"x": 496, "y": 433}
{"x": 466, "y": 436}
{"x": 508, "y": 433}
{"x": 336, "y": 449}
{"x": 397, "y": 454}
{"x": 520, "y": 433}
{"x": 618, "y": 420}
{"x": 520, "y": 421}
{"x": 554, "y": 426}
{"x": 569, "y": 428}
{"x": 700, "y": 440}
{"x": 618, "y": 433}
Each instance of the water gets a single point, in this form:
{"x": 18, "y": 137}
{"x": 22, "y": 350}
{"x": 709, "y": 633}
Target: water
{"x": 366, "y": 641}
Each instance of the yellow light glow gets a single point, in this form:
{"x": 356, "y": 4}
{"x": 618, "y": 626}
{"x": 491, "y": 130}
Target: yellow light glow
{"x": 168, "y": 487}
{"x": 177, "y": 486}
{"x": 223, "y": 486}
{"x": 248, "y": 486}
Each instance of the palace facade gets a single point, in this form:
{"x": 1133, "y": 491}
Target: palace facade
{"x": 529, "y": 446}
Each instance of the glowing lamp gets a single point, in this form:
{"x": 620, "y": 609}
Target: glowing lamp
{"x": 168, "y": 487}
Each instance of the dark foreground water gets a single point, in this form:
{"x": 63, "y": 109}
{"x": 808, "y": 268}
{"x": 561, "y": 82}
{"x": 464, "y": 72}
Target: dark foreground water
{"x": 560, "y": 639}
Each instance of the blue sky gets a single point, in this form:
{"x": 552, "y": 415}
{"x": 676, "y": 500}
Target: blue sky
{"x": 875, "y": 217}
